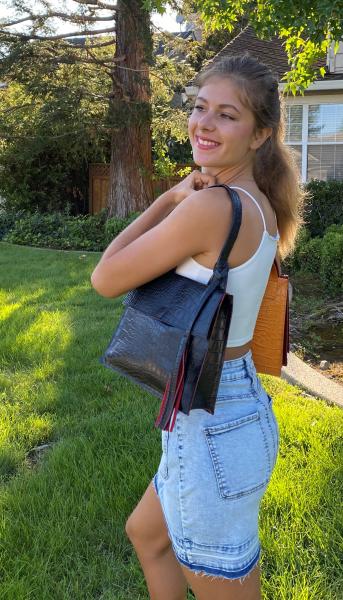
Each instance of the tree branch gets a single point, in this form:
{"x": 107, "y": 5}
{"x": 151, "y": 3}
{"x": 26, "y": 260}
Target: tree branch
{"x": 97, "y": 3}
{"x": 5, "y": 136}
{"x": 13, "y": 108}
{"x": 65, "y": 17}
{"x": 23, "y": 36}
{"x": 70, "y": 60}
{"x": 109, "y": 43}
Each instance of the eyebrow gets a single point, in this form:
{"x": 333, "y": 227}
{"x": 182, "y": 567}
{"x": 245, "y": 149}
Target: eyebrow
{"x": 220, "y": 105}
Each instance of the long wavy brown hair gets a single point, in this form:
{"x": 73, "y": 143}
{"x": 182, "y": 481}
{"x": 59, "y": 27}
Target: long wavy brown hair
{"x": 275, "y": 171}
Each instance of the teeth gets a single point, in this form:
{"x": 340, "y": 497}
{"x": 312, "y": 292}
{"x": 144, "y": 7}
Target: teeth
{"x": 206, "y": 143}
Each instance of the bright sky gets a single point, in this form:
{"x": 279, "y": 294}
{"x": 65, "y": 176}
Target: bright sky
{"x": 166, "y": 21}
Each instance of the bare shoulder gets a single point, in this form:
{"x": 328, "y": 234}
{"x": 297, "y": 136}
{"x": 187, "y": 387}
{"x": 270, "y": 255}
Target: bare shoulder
{"x": 211, "y": 204}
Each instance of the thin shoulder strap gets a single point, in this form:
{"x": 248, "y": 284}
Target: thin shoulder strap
{"x": 235, "y": 187}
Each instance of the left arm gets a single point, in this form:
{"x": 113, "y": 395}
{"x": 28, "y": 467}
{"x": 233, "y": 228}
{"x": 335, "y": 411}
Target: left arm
{"x": 159, "y": 209}
{"x": 153, "y": 215}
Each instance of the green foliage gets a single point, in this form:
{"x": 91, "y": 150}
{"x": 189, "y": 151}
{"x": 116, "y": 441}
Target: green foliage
{"x": 50, "y": 127}
{"x": 307, "y": 29}
{"x": 184, "y": 172}
{"x": 169, "y": 122}
{"x": 331, "y": 267}
{"x": 293, "y": 261}
{"x": 61, "y": 230}
{"x": 324, "y": 206}
{"x": 321, "y": 255}
{"x": 155, "y": 5}
{"x": 323, "y": 211}
{"x": 308, "y": 255}
{"x": 8, "y": 219}
{"x": 115, "y": 225}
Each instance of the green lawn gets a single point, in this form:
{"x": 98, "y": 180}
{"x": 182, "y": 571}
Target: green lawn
{"x": 62, "y": 517}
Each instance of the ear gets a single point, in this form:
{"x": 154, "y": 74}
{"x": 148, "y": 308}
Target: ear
{"x": 260, "y": 136}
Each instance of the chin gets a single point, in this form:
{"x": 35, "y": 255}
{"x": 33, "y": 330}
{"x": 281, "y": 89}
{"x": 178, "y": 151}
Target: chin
{"x": 205, "y": 163}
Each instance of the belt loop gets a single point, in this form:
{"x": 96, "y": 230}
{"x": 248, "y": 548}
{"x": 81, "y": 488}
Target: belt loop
{"x": 251, "y": 372}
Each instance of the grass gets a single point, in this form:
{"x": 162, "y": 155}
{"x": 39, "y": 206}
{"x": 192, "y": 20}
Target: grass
{"x": 62, "y": 516}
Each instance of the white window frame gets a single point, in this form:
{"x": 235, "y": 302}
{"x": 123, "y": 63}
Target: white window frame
{"x": 306, "y": 102}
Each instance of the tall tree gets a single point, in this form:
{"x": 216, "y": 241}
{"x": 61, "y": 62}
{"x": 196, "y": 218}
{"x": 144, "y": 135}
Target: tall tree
{"x": 131, "y": 164}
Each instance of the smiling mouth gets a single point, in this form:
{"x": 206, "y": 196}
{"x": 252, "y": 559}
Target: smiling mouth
{"x": 205, "y": 144}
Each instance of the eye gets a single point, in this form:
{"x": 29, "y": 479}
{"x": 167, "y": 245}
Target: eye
{"x": 198, "y": 107}
{"x": 227, "y": 116}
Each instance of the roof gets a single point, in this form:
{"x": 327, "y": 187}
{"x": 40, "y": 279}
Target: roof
{"x": 181, "y": 34}
{"x": 270, "y": 52}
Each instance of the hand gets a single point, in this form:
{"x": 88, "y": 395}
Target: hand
{"x": 195, "y": 181}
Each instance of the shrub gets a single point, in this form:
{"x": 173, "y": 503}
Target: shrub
{"x": 310, "y": 255}
{"x": 114, "y": 226}
{"x": 62, "y": 231}
{"x": 293, "y": 262}
{"x": 7, "y": 220}
{"x": 331, "y": 267}
{"x": 324, "y": 206}
{"x": 320, "y": 255}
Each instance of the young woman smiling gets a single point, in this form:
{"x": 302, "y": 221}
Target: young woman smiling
{"x": 197, "y": 522}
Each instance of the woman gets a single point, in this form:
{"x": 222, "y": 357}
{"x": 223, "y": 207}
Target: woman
{"x": 197, "y": 523}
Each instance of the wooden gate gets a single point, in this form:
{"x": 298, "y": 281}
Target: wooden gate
{"x": 99, "y": 175}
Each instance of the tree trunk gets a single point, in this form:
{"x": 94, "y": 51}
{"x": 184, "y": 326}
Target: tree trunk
{"x": 130, "y": 187}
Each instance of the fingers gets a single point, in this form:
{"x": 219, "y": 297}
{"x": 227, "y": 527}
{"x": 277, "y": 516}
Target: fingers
{"x": 209, "y": 179}
{"x": 203, "y": 180}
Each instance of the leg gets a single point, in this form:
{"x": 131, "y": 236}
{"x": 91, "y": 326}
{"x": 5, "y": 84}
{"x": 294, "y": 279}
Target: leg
{"x": 146, "y": 529}
{"x": 206, "y": 587}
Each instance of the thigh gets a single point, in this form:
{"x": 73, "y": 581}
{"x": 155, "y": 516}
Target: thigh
{"x": 146, "y": 524}
{"x": 206, "y": 586}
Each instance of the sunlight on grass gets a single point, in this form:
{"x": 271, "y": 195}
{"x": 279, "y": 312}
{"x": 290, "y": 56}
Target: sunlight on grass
{"x": 62, "y": 516}
{"x": 49, "y": 333}
{"x": 7, "y": 310}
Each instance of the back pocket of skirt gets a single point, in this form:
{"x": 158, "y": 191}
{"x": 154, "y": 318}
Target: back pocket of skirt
{"x": 239, "y": 455}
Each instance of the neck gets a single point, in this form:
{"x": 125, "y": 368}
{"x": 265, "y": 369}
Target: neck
{"x": 231, "y": 174}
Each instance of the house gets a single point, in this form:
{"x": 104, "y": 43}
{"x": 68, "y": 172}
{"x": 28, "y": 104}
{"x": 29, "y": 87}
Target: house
{"x": 314, "y": 122}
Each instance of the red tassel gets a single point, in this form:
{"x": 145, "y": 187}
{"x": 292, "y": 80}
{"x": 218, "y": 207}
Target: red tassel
{"x": 163, "y": 403}
{"x": 178, "y": 395}
{"x": 179, "y": 390}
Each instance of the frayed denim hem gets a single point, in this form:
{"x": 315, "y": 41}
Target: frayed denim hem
{"x": 214, "y": 573}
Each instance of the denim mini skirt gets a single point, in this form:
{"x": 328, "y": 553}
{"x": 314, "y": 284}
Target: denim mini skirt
{"x": 214, "y": 471}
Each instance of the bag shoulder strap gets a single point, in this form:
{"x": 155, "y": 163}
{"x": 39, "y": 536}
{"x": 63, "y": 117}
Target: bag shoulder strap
{"x": 236, "y": 223}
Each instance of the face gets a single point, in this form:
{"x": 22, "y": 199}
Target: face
{"x": 219, "y": 116}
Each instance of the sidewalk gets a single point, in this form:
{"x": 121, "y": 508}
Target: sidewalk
{"x": 299, "y": 373}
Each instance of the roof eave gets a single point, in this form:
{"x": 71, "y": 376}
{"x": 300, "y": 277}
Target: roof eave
{"x": 323, "y": 85}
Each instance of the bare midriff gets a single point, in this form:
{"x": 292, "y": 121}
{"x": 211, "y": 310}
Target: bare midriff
{"x": 236, "y": 352}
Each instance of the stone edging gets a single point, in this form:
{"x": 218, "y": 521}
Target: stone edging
{"x": 299, "y": 373}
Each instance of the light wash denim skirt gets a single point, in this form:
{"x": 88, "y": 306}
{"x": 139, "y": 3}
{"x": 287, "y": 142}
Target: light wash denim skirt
{"x": 214, "y": 471}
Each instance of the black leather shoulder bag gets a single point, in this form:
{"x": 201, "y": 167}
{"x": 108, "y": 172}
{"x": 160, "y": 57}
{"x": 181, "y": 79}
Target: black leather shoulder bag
{"x": 172, "y": 335}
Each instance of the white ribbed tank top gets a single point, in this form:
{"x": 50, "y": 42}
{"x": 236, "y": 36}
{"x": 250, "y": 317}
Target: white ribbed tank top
{"x": 247, "y": 283}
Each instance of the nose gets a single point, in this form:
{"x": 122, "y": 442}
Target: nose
{"x": 205, "y": 121}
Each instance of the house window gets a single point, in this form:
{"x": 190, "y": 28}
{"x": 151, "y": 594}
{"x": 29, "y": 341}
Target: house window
{"x": 294, "y": 116}
{"x": 325, "y": 141}
{"x": 315, "y": 133}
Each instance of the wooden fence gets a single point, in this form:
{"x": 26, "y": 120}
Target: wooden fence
{"x": 99, "y": 174}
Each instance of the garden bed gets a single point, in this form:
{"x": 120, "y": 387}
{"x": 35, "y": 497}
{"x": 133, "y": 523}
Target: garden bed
{"x": 316, "y": 325}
